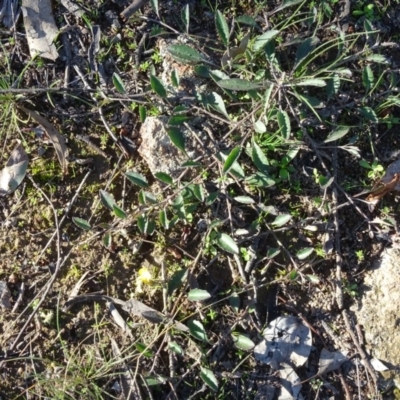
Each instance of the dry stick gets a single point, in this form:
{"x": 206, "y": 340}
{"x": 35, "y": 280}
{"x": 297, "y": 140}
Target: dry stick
{"x": 54, "y": 276}
{"x": 129, "y": 11}
{"x": 344, "y": 384}
{"x": 361, "y": 351}
{"x": 339, "y": 258}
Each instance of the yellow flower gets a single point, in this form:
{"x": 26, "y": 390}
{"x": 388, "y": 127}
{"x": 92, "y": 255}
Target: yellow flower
{"x": 144, "y": 278}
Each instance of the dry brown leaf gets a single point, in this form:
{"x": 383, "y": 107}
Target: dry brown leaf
{"x": 378, "y": 191}
{"x": 56, "y": 138}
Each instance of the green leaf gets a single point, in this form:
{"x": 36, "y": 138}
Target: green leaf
{"x": 244, "y": 199}
{"x": 158, "y": 86}
{"x": 267, "y": 97}
{"x": 163, "y": 177}
{"x": 137, "y": 179}
{"x": 209, "y": 378}
{"x": 222, "y": 28}
{"x": 215, "y": 101}
{"x": 177, "y": 138}
{"x": 369, "y": 114}
{"x": 232, "y": 157}
{"x": 162, "y": 216}
{"x": 284, "y": 124}
{"x": 247, "y": 20}
{"x": 305, "y": 48}
{"x": 365, "y": 164}
{"x": 197, "y": 330}
{"x": 184, "y": 54}
{"x": 311, "y": 82}
{"x": 150, "y": 226}
{"x": 202, "y": 71}
{"x": 174, "y": 347}
{"x": 198, "y": 192}
{"x": 227, "y": 243}
{"x": 271, "y": 253}
{"x": 260, "y": 179}
{"x": 312, "y": 278}
{"x": 118, "y": 84}
{"x": 211, "y": 198}
{"x": 333, "y": 86}
{"x": 81, "y": 223}
{"x": 142, "y": 113}
{"x": 191, "y": 164}
{"x": 293, "y": 275}
{"x": 147, "y": 198}
{"x": 378, "y": 58}
{"x": 175, "y": 78}
{"x": 177, "y": 120}
{"x": 262, "y": 40}
{"x": 185, "y": 16}
{"x": 368, "y": 78}
{"x": 143, "y": 349}
{"x": 177, "y": 280}
{"x": 260, "y": 127}
{"x": 154, "y": 6}
{"x": 337, "y": 133}
{"x": 304, "y": 253}
{"x": 107, "y": 199}
{"x": 242, "y": 342}
{"x": 235, "y": 169}
{"x": 289, "y": 3}
{"x": 198, "y": 295}
{"x": 107, "y": 241}
{"x": 281, "y": 220}
{"x": 258, "y": 157}
{"x": 234, "y": 302}
{"x": 238, "y": 84}
{"x": 119, "y": 212}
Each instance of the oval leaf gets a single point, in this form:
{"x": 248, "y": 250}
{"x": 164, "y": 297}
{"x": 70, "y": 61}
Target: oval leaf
{"x": 119, "y": 212}
{"x": 137, "y": 179}
{"x": 163, "y": 177}
{"x": 337, "y": 133}
{"x": 238, "y": 84}
{"x": 311, "y": 82}
{"x": 227, "y": 243}
{"x": 118, "y": 84}
{"x": 184, "y": 54}
{"x": 107, "y": 199}
{"x": 197, "y": 330}
{"x": 244, "y": 199}
{"x": 304, "y": 253}
{"x": 81, "y": 223}
{"x": 281, "y": 220}
{"x": 242, "y": 342}
{"x": 158, "y": 86}
{"x": 222, "y": 27}
{"x": 173, "y": 346}
{"x": 284, "y": 124}
{"x": 232, "y": 157}
{"x": 262, "y": 40}
{"x": 142, "y": 113}
{"x": 209, "y": 378}
{"x": 177, "y": 138}
{"x": 198, "y": 295}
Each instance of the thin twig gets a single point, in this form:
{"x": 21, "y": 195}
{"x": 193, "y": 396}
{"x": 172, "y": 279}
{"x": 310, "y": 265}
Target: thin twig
{"x": 361, "y": 351}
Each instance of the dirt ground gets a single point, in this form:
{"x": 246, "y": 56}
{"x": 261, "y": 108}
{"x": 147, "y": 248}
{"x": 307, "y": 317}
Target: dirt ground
{"x": 52, "y": 346}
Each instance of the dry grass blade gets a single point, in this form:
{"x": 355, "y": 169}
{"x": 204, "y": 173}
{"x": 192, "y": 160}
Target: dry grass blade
{"x": 56, "y": 138}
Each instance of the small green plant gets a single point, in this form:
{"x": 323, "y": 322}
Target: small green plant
{"x": 360, "y": 255}
{"x": 375, "y": 170}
